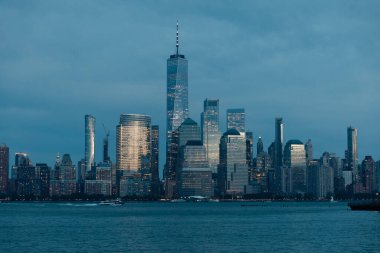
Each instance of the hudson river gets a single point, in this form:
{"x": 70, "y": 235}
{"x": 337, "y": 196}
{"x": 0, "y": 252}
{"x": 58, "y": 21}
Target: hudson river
{"x": 187, "y": 227}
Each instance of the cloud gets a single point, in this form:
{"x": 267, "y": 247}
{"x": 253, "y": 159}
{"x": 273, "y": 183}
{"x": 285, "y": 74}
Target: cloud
{"x": 314, "y": 64}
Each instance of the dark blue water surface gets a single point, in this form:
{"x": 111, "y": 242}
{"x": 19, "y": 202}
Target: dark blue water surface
{"x": 187, "y": 227}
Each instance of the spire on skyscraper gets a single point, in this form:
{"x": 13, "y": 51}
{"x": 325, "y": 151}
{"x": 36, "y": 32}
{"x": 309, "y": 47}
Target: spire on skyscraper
{"x": 177, "y": 38}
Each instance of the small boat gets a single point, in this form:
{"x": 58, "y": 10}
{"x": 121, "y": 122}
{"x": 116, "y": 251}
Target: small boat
{"x": 364, "y": 205}
{"x": 116, "y": 202}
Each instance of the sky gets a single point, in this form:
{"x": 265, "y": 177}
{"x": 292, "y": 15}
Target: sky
{"x": 313, "y": 63}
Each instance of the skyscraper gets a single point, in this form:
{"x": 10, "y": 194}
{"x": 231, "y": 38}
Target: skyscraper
{"x": 236, "y": 120}
{"x": 260, "y": 146}
{"x": 64, "y": 177}
{"x": 369, "y": 175}
{"x": 352, "y": 151}
{"x": 232, "y": 170}
{"x": 309, "y": 150}
{"x": 295, "y": 162}
{"x": 133, "y": 154}
{"x": 155, "y": 161}
{"x": 4, "y": 167}
{"x": 132, "y": 141}
{"x": 177, "y": 108}
{"x": 210, "y": 132}
{"x": 89, "y": 142}
{"x": 278, "y": 155}
{"x": 249, "y": 148}
{"x": 195, "y": 176}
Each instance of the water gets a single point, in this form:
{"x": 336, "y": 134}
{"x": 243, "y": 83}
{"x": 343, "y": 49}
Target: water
{"x": 187, "y": 227}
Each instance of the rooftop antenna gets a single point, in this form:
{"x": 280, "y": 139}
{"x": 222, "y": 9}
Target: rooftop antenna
{"x": 177, "y": 39}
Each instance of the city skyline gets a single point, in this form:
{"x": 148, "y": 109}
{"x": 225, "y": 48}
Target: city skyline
{"x": 26, "y": 120}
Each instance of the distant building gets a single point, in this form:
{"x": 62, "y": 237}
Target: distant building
{"x": 260, "y": 146}
{"x": 21, "y": 159}
{"x": 195, "y": 177}
{"x": 278, "y": 154}
{"x": 368, "y": 175}
{"x": 155, "y": 161}
{"x": 133, "y": 154}
{"x": 177, "y": 110}
{"x": 352, "y": 151}
{"x": 102, "y": 183}
{"x": 295, "y": 162}
{"x": 64, "y": 177}
{"x": 4, "y": 168}
{"x": 236, "y": 120}
{"x": 309, "y": 150}
{"x": 33, "y": 181}
{"x": 89, "y": 142}
{"x": 210, "y": 132}
{"x": 233, "y": 170}
{"x": 261, "y": 175}
{"x": 249, "y": 149}
{"x": 347, "y": 176}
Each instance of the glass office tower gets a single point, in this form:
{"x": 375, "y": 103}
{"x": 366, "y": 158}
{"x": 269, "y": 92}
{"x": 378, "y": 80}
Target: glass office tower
{"x": 133, "y": 136}
{"x": 89, "y": 142}
{"x": 210, "y": 132}
{"x": 177, "y": 108}
{"x": 232, "y": 170}
{"x": 236, "y": 120}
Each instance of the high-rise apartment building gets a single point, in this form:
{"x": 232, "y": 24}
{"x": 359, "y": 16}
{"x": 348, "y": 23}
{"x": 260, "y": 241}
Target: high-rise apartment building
{"x": 4, "y": 168}
{"x": 89, "y": 132}
{"x": 210, "y": 132}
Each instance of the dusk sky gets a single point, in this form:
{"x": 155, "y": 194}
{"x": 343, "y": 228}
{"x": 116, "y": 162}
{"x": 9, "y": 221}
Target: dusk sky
{"x": 314, "y": 63}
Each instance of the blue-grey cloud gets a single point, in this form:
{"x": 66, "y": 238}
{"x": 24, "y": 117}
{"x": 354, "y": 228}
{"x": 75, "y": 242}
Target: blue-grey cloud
{"x": 314, "y": 64}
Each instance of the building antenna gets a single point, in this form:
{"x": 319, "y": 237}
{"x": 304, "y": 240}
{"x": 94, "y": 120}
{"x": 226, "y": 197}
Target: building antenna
{"x": 177, "y": 38}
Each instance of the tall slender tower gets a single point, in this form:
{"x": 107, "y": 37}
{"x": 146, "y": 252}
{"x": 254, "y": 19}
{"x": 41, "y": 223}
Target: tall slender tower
{"x": 177, "y": 108}
{"x": 352, "y": 150}
{"x": 210, "y": 132}
{"x": 89, "y": 141}
{"x": 278, "y": 152}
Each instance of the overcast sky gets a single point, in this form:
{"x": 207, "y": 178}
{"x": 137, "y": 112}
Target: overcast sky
{"x": 314, "y": 63}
